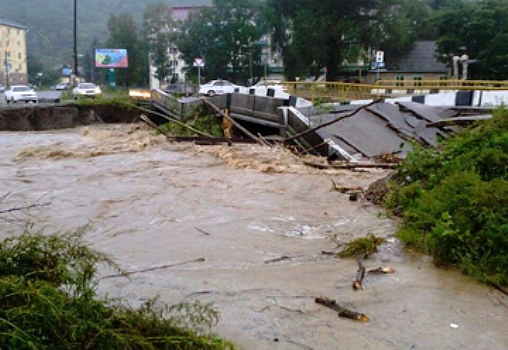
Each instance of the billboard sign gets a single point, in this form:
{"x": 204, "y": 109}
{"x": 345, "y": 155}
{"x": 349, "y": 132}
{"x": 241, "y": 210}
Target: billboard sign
{"x": 111, "y": 58}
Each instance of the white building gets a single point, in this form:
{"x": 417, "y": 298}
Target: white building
{"x": 179, "y": 14}
{"x": 273, "y": 60}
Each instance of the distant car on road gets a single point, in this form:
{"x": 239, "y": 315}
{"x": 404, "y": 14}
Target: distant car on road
{"x": 86, "y": 90}
{"x": 20, "y": 93}
{"x": 262, "y": 87}
{"x": 62, "y": 86}
{"x": 219, "y": 87}
{"x": 2, "y": 89}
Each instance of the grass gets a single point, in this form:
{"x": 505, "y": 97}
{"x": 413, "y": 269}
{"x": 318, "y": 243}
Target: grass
{"x": 48, "y": 301}
{"x": 362, "y": 246}
{"x": 454, "y": 200}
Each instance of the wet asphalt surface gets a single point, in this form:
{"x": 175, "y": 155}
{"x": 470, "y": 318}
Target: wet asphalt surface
{"x": 43, "y": 95}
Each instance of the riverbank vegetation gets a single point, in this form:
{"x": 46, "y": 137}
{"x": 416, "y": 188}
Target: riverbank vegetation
{"x": 48, "y": 300}
{"x": 454, "y": 200}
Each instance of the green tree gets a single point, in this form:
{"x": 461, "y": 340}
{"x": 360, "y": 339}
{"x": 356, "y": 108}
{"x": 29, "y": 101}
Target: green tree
{"x": 313, "y": 34}
{"x": 226, "y": 36}
{"x": 479, "y": 28}
{"x": 49, "y": 76}
{"x": 124, "y": 35}
{"x": 159, "y": 30}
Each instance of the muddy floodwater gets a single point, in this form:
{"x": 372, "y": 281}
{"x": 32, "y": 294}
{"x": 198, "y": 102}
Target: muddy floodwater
{"x": 249, "y": 226}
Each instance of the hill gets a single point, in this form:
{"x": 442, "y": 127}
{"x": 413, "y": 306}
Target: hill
{"x": 50, "y": 23}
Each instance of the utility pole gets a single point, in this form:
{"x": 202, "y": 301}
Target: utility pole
{"x": 93, "y": 65}
{"x": 6, "y": 70}
{"x": 75, "y": 38}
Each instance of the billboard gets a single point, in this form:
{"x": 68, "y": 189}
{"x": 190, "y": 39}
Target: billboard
{"x": 111, "y": 58}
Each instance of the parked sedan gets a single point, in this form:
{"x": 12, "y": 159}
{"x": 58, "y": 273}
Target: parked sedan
{"x": 20, "y": 93}
{"x": 262, "y": 87}
{"x": 2, "y": 89}
{"x": 219, "y": 87}
{"x": 62, "y": 86}
{"x": 86, "y": 90}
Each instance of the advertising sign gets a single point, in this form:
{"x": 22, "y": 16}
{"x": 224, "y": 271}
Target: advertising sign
{"x": 380, "y": 56}
{"x": 111, "y": 58}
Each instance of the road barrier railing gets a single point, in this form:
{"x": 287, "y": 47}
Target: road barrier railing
{"x": 341, "y": 92}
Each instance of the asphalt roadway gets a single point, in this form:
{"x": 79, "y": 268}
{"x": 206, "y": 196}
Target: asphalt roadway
{"x": 43, "y": 95}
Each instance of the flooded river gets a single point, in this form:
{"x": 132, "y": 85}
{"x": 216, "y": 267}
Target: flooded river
{"x": 250, "y": 225}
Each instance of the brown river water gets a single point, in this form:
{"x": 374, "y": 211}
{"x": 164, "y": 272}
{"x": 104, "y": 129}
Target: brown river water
{"x": 240, "y": 208}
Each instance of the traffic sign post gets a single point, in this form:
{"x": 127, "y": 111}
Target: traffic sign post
{"x": 199, "y": 62}
{"x": 380, "y": 58}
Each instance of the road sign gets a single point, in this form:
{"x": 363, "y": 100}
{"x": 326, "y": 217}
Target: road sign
{"x": 199, "y": 62}
{"x": 380, "y": 56}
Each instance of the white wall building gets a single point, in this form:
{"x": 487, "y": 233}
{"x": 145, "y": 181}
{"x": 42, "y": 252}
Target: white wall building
{"x": 178, "y": 14}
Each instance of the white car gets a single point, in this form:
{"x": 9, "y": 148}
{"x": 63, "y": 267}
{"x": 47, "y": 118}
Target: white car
{"x": 61, "y": 86}
{"x": 219, "y": 87}
{"x": 20, "y": 93}
{"x": 86, "y": 90}
{"x": 261, "y": 88}
{"x": 280, "y": 91}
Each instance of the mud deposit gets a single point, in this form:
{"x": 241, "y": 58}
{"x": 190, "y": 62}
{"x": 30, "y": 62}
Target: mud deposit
{"x": 240, "y": 209}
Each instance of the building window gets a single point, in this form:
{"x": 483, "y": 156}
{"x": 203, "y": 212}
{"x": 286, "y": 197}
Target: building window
{"x": 8, "y": 43}
{"x": 19, "y": 55}
{"x": 418, "y": 80}
{"x": 8, "y": 54}
{"x": 19, "y": 43}
{"x": 18, "y": 31}
{"x": 19, "y": 66}
{"x": 400, "y": 80}
{"x": 8, "y": 31}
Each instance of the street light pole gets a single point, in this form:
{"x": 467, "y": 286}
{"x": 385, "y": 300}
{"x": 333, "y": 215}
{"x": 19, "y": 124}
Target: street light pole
{"x": 6, "y": 70}
{"x": 75, "y": 38}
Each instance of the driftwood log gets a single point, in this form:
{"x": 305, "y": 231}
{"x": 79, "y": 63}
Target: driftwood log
{"x": 172, "y": 118}
{"x": 237, "y": 125}
{"x": 360, "y": 274}
{"x": 350, "y": 165}
{"x": 342, "y": 311}
{"x": 381, "y": 271}
{"x": 344, "y": 189}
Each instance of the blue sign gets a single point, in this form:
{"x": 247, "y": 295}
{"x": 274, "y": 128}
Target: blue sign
{"x": 377, "y": 65}
{"x": 66, "y": 72}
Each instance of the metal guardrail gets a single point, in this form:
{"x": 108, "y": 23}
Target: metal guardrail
{"x": 340, "y": 92}
{"x": 435, "y": 84}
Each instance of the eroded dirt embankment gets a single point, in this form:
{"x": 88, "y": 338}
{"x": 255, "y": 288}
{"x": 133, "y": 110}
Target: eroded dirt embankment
{"x": 38, "y": 118}
{"x": 241, "y": 208}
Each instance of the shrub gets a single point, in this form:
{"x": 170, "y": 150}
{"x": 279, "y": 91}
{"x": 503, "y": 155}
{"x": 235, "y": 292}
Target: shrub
{"x": 362, "y": 246}
{"x": 48, "y": 301}
{"x": 199, "y": 119}
{"x": 454, "y": 200}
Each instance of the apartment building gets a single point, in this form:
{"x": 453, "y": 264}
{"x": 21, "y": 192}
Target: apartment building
{"x": 13, "y": 66}
{"x": 180, "y": 13}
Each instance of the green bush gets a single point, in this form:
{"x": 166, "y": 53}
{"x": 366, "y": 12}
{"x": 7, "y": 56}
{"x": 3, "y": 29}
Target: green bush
{"x": 454, "y": 200}
{"x": 48, "y": 301}
{"x": 199, "y": 119}
{"x": 362, "y": 246}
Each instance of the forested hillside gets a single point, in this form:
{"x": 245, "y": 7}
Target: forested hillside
{"x": 50, "y": 23}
